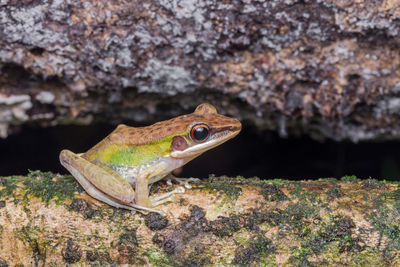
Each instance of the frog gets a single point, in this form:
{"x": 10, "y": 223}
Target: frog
{"x": 120, "y": 169}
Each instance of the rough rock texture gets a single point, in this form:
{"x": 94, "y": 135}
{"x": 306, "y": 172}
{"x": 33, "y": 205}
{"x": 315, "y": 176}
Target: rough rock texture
{"x": 46, "y": 220}
{"x": 322, "y": 67}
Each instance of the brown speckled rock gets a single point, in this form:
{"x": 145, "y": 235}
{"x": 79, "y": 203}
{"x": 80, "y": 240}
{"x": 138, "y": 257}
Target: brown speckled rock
{"x": 221, "y": 221}
{"x": 324, "y": 68}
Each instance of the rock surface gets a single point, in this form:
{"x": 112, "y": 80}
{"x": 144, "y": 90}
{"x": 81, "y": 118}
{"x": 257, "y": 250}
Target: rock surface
{"x": 328, "y": 68}
{"x": 46, "y": 220}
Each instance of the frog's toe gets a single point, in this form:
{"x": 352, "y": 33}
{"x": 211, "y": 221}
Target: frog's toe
{"x": 155, "y": 203}
{"x": 145, "y": 210}
{"x": 180, "y": 190}
{"x": 182, "y": 181}
{"x": 167, "y": 197}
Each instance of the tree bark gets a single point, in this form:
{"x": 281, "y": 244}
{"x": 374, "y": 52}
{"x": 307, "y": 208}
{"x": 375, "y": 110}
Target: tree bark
{"x": 46, "y": 219}
{"x": 328, "y": 69}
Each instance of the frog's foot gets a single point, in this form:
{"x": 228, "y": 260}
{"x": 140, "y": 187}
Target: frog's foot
{"x": 181, "y": 181}
{"x": 167, "y": 197}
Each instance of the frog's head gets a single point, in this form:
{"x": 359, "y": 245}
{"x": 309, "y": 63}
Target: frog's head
{"x": 202, "y": 130}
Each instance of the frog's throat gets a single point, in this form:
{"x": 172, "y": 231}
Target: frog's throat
{"x": 197, "y": 149}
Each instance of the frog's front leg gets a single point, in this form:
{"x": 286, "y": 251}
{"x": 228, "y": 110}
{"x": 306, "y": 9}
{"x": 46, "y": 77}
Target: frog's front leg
{"x": 151, "y": 175}
{"x": 142, "y": 190}
{"x": 142, "y": 194}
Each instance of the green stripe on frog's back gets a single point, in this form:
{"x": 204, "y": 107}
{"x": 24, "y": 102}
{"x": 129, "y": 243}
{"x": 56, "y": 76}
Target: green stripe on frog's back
{"x": 126, "y": 155}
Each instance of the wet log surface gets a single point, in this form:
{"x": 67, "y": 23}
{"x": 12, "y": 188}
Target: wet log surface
{"x": 324, "y": 68}
{"x": 46, "y": 219}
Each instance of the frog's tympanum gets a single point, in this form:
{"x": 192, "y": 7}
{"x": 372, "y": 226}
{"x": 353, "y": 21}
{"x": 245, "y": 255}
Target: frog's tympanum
{"x": 120, "y": 168}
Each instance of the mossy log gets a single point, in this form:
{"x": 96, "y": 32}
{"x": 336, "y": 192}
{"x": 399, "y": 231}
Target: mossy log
{"x": 47, "y": 219}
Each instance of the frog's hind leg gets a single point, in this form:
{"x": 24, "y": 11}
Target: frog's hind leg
{"x": 89, "y": 175}
{"x": 103, "y": 184}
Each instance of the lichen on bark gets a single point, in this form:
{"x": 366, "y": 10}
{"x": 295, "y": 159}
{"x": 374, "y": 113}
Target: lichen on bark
{"x": 324, "y": 222}
{"x": 324, "y": 68}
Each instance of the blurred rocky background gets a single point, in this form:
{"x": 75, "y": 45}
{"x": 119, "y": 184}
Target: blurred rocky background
{"x": 324, "y": 70}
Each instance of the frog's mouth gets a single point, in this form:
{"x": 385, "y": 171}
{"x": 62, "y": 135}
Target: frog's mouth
{"x": 214, "y": 140}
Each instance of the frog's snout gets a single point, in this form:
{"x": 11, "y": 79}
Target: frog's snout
{"x": 65, "y": 156}
{"x": 237, "y": 126}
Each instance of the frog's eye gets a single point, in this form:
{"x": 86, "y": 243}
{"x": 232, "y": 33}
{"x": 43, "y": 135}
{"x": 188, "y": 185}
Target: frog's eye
{"x": 199, "y": 132}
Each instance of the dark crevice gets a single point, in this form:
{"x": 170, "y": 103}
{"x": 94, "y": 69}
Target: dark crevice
{"x": 37, "y": 51}
{"x": 18, "y": 79}
{"x": 265, "y": 155}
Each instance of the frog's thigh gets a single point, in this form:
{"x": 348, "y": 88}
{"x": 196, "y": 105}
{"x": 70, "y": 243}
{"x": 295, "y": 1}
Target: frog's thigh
{"x": 101, "y": 183}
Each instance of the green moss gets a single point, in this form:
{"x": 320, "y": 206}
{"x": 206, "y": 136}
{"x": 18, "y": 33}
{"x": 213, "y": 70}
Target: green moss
{"x": 297, "y": 191}
{"x": 128, "y": 246}
{"x": 273, "y": 218}
{"x": 332, "y": 234}
{"x": 385, "y": 215}
{"x": 10, "y": 184}
{"x": 264, "y": 245}
{"x": 295, "y": 214}
{"x": 335, "y": 192}
{"x": 31, "y": 235}
{"x": 260, "y": 247}
{"x": 225, "y": 226}
{"x": 99, "y": 258}
{"x": 271, "y": 192}
{"x": 338, "y": 228}
{"x": 157, "y": 257}
{"x": 349, "y": 178}
{"x": 302, "y": 195}
{"x": 198, "y": 257}
{"x": 395, "y": 194}
{"x": 48, "y": 186}
{"x": 84, "y": 207}
{"x": 242, "y": 179}
{"x": 128, "y": 237}
{"x": 385, "y": 220}
{"x": 329, "y": 179}
{"x": 155, "y": 221}
{"x": 71, "y": 252}
{"x": 279, "y": 182}
{"x": 368, "y": 257}
{"x": 370, "y": 184}
{"x": 317, "y": 234}
{"x": 299, "y": 256}
{"x": 223, "y": 185}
